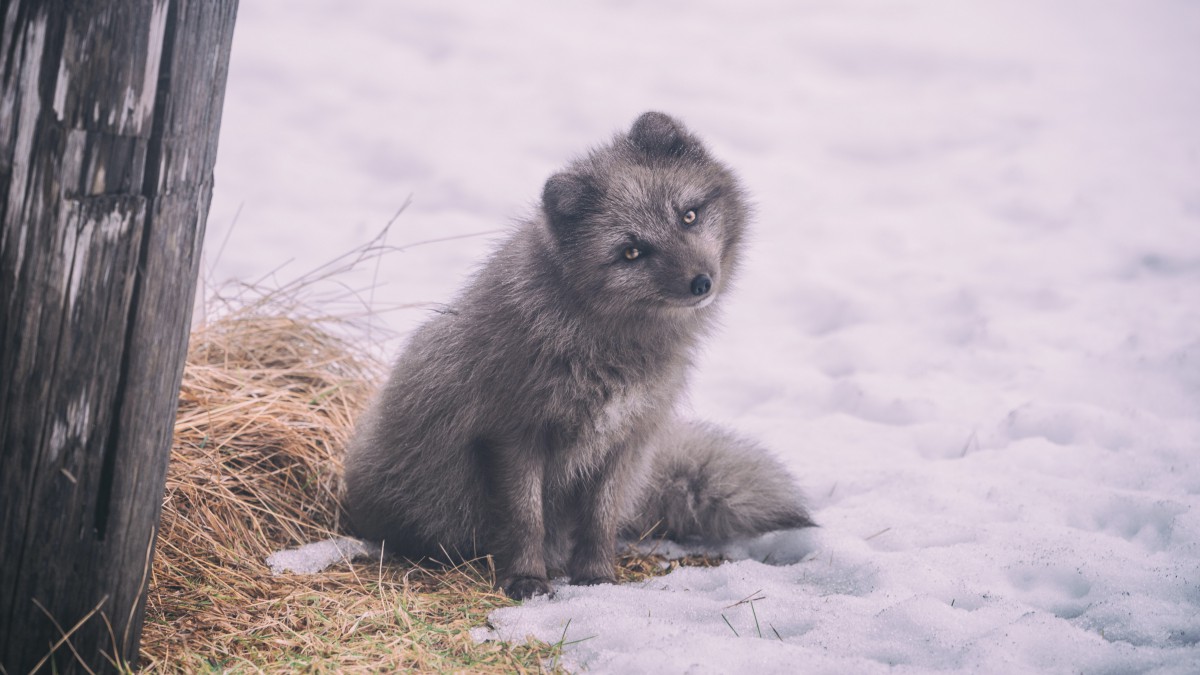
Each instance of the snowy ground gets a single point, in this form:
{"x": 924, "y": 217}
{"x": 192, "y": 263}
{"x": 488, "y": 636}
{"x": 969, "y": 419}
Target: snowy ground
{"x": 970, "y": 322}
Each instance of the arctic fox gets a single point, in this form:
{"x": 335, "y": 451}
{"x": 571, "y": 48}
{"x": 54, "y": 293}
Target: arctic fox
{"x": 535, "y": 419}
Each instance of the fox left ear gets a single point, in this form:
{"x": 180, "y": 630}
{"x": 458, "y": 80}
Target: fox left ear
{"x": 566, "y": 198}
{"x": 659, "y": 134}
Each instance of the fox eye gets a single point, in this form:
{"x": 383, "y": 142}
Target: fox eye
{"x": 632, "y": 253}
{"x": 689, "y": 217}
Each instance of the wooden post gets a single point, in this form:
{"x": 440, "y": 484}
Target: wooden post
{"x": 109, "y": 113}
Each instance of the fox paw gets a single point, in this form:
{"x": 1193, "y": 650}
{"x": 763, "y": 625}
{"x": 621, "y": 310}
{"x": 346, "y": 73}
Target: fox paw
{"x": 522, "y": 588}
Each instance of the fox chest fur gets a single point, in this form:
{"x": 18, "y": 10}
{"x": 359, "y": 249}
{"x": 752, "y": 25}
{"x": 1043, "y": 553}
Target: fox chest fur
{"x": 573, "y": 396}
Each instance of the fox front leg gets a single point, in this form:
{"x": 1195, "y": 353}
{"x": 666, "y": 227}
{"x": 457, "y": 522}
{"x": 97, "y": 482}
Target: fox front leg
{"x": 519, "y": 530}
{"x": 599, "y": 502}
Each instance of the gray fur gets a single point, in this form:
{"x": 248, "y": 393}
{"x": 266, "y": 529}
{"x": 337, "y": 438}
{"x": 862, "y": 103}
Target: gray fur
{"x": 535, "y": 419}
{"x": 713, "y": 486}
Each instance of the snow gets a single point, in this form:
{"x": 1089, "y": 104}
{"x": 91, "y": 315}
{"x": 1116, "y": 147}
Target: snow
{"x": 319, "y": 555}
{"x": 969, "y": 321}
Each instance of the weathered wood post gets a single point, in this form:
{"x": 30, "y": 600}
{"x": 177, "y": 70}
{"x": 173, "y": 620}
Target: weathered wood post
{"x": 109, "y": 112}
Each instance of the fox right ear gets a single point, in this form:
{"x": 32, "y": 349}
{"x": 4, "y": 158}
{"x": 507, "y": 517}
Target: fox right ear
{"x": 659, "y": 134}
{"x": 567, "y": 197}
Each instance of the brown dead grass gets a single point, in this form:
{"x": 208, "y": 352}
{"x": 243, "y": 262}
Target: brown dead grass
{"x": 267, "y": 403}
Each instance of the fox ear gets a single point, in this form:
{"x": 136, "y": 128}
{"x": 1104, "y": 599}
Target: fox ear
{"x": 567, "y": 197}
{"x": 658, "y": 134}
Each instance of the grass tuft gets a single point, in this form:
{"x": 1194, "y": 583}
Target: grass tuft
{"x": 269, "y": 394}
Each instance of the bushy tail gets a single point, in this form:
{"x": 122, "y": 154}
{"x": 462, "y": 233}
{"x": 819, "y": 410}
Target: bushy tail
{"x": 710, "y": 485}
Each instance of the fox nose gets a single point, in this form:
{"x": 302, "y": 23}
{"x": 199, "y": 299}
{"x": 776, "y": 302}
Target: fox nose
{"x": 701, "y": 285}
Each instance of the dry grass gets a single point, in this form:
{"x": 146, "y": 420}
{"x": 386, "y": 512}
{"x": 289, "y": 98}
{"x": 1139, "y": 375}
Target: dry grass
{"x": 267, "y": 403}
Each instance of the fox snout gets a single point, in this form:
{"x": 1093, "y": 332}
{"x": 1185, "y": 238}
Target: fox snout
{"x": 701, "y": 285}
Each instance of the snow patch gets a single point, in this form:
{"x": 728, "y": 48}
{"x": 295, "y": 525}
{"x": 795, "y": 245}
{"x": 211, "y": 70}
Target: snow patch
{"x": 967, "y": 320}
{"x": 317, "y": 556}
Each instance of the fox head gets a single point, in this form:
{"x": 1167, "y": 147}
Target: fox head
{"x": 649, "y": 222}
